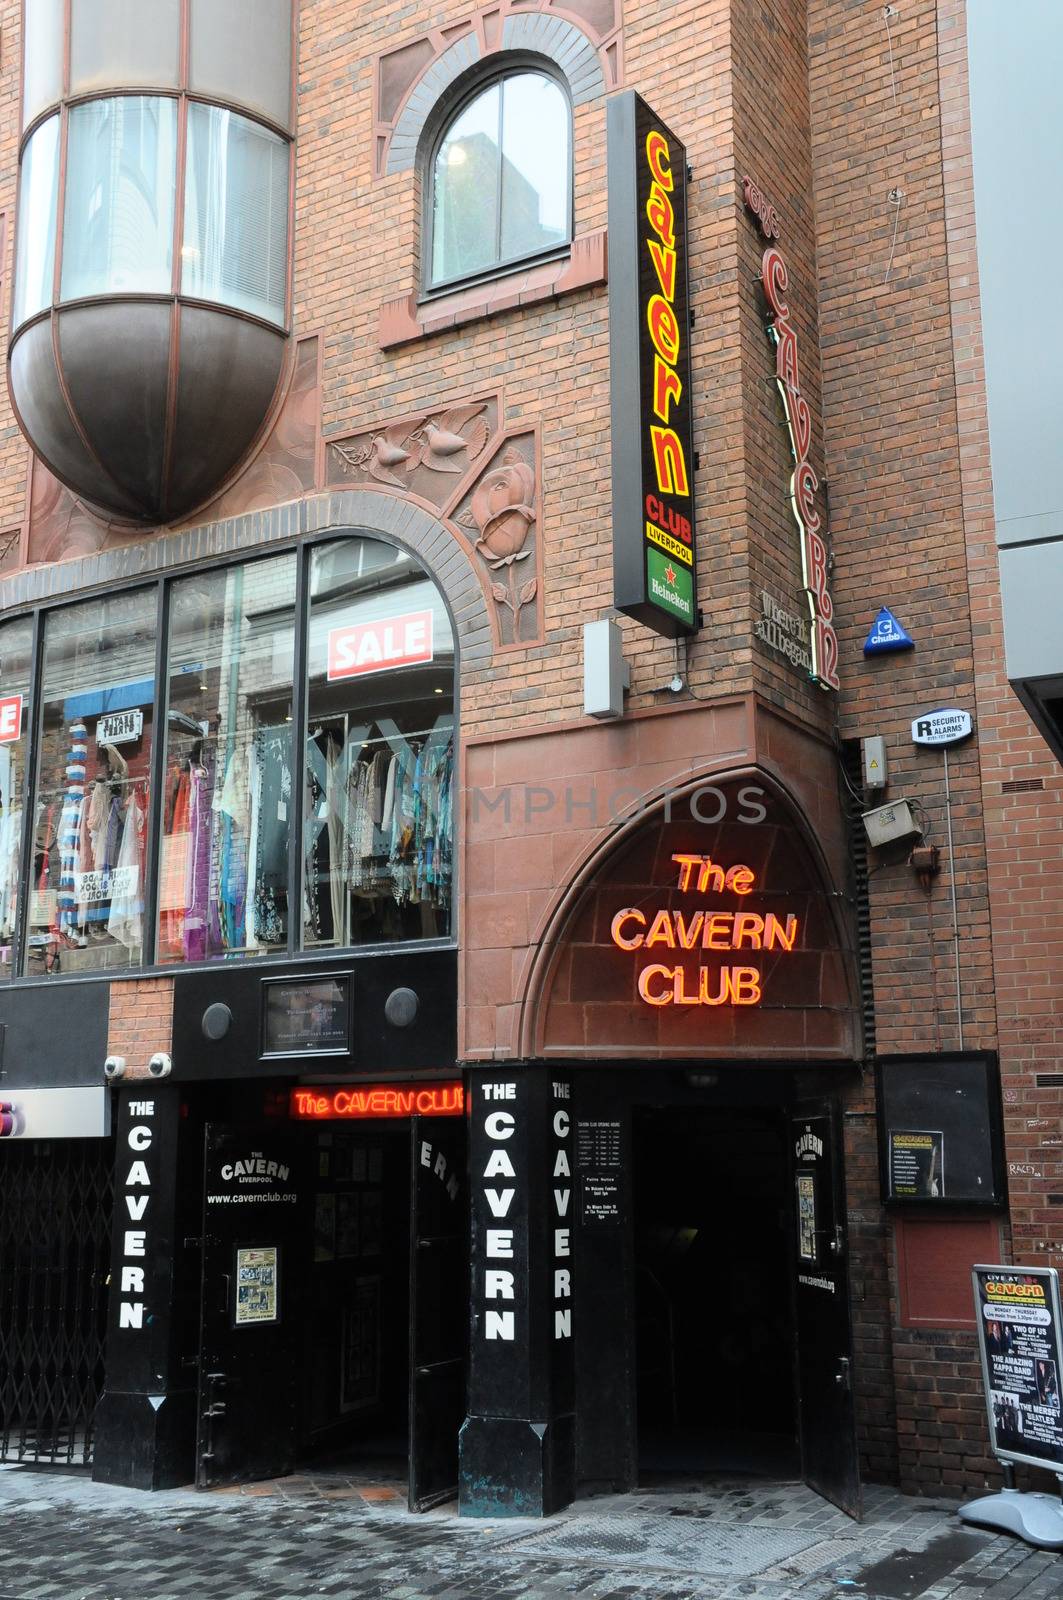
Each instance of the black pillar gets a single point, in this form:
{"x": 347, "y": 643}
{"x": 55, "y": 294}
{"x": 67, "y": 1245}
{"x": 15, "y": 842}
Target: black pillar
{"x": 517, "y": 1442}
{"x": 146, "y": 1417}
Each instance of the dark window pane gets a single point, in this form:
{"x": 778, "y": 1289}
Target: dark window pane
{"x": 227, "y": 805}
{"x": 86, "y": 899}
{"x": 378, "y": 818}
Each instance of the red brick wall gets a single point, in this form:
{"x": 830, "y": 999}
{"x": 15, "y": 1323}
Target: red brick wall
{"x": 141, "y": 1021}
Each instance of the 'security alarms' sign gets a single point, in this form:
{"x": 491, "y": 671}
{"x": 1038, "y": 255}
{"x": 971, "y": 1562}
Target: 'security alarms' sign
{"x": 944, "y": 727}
{"x": 10, "y": 718}
{"x": 662, "y": 983}
{"x": 380, "y": 646}
{"x": 804, "y": 483}
{"x": 654, "y": 559}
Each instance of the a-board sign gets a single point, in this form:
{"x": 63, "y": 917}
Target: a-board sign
{"x": 941, "y": 728}
{"x": 1019, "y": 1341}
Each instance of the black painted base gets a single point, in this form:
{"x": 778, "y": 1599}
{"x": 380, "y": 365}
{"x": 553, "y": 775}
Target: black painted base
{"x": 145, "y": 1441}
{"x": 510, "y": 1467}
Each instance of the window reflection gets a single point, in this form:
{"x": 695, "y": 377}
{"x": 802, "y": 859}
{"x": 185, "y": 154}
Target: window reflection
{"x": 500, "y": 184}
{"x": 223, "y": 874}
{"x": 38, "y": 191}
{"x": 86, "y": 899}
{"x": 118, "y": 216}
{"x": 378, "y": 796}
{"x": 16, "y": 644}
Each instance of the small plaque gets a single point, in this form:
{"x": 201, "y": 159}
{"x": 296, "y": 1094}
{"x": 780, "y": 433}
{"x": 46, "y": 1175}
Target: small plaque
{"x": 307, "y": 1016}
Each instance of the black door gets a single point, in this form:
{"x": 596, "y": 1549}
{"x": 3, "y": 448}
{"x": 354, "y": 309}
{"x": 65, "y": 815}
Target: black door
{"x": 821, "y": 1297}
{"x": 249, "y": 1323}
{"x": 439, "y": 1307}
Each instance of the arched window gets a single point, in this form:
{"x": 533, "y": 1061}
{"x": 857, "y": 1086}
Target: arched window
{"x": 501, "y": 185}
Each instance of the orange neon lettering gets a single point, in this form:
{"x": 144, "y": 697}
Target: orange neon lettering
{"x": 705, "y": 997}
{"x": 342, "y": 1101}
{"x": 745, "y": 986}
{"x": 739, "y": 880}
{"x": 686, "y": 865}
{"x": 667, "y": 387}
{"x": 688, "y": 936}
{"x": 645, "y": 976}
{"x": 664, "y": 266}
{"x": 669, "y": 461}
{"x": 679, "y": 993}
{"x": 717, "y": 932}
{"x": 661, "y": 931}
{"x": 803, "y": 488}
{"x": 630, "y": 941}
{"x": 775, "y": 935}
{"x": 748, "y": 929}
{"x": 379, "y": 1100}
{"x": 664, "y": 329}
{"x": 710, "y": 876}
{"x": 658, "y": 156}
{"x": 661, "y": 216}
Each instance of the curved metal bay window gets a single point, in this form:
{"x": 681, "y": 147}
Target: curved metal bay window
{"x": 150, "y": 306}
{"x": 177, "y": 821}
{"x": 501, "y": 178}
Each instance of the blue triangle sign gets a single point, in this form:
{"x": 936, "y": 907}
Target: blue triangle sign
{"x": 887, "y": 634}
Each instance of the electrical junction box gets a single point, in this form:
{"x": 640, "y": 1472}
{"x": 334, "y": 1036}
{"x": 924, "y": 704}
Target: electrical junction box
{"x": 606, "y": 675}
{"x": 887, "y": 824}
{"x": 876, "y": 773}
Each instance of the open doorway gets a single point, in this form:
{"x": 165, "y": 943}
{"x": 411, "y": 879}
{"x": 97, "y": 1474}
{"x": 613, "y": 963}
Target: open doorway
{"x": 356, "y": 1315}
{"x": 715, "y": 1335}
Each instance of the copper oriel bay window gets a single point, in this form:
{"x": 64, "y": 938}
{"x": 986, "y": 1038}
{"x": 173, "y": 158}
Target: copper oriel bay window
{"x": 201, "y": 811}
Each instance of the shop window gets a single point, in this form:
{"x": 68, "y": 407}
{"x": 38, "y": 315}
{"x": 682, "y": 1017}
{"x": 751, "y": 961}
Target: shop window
{"x": 235, "y": 247}
{"x": 378, "y": 780}
{"x": 228, "y": 803}
{"x": 16, "y": 645}
{"x": 86, "y": 892}
{"x": 501, "y": 178}
{"x": 38, "y": 191}
{"x": 120, "y": 185}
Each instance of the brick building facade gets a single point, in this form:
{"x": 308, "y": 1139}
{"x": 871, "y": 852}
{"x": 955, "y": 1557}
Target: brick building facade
{"x": 466, "y": 425}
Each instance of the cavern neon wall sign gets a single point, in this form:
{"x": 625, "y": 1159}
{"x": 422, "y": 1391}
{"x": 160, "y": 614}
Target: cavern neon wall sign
{"x": 706, "y": 930}
{"x": 804, "y": 483}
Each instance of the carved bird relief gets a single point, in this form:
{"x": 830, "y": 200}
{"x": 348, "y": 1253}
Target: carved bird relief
{"x": 438, "y": 445}
{"x": 382, "y": 453}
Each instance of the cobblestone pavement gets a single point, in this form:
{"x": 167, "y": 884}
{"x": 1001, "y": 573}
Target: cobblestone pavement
{"x": 305, "y": 1538}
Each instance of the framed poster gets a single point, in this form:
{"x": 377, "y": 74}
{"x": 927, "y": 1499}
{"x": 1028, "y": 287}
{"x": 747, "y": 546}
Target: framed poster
{"x": 940, "y": 1124}
{"x": 806, "y": 1216}
{"x": 1019, "y": 1340}
{"x": 306, "y": 1016}
{"x": 257, "y": 1285}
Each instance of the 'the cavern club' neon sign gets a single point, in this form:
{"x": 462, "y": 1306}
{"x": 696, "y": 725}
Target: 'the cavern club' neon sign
{"x": 664, "y": 984}
{"x": 804, "y": 483}
{"x": 358, "y": 1101}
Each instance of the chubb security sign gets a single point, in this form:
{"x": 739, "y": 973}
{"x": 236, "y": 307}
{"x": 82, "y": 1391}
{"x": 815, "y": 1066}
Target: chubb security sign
{"x": 944, "y": 727}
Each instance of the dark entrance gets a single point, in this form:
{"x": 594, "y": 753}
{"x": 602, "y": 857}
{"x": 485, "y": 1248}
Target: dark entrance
{"x": 714, "y": 1347}
{"x": 387, "y": 1309}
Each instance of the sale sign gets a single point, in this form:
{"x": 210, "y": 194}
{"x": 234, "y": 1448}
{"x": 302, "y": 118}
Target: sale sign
{"x": 363, "y": 647}
{"x": 10, "y": 718}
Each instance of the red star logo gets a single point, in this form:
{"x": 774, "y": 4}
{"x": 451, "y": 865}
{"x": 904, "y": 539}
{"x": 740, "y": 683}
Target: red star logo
{"x": 669, "y": 573}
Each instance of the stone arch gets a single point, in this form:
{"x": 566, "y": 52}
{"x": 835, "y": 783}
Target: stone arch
{"x": 534, "y": 33}
{"x": 571, "y": 901}
{"x": 412, "y": 526}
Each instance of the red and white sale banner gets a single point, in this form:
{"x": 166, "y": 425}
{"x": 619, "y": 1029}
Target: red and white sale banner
{"x": 10, "y": 718}
{"x": 380, "y": 646}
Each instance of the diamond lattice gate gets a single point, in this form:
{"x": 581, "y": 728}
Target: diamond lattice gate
{"x": 55, "y": 1232}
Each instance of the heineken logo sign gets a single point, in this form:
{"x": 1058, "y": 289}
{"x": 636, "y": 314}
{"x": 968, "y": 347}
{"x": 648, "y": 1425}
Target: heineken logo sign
{"x": 654, "y": 535}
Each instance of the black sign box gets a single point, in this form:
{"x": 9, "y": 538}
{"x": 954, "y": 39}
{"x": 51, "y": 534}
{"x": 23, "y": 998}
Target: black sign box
{"x": 654, "y": 561}
{"x": 310, "y": 1017}
{"x": 1019, "y": 1340}
{"x": 940, "y": 1131}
